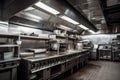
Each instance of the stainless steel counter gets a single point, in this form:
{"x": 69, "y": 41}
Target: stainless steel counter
{"x": 50, "y": 55}
{"x": 50, "y": 65}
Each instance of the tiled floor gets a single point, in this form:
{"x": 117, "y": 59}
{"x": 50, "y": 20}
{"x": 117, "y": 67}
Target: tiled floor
{"x": 98, "y": 70}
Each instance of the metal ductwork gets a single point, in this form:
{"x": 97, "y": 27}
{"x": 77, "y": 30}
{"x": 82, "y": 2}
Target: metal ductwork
{"x": 11, "y": 7}
{"x": 111, "y": 10}
{"x": 68, "y": 10}
{"x": 46, "y": 18}
{"x": 92, "y": 11}
{"x": 28, "y": 23}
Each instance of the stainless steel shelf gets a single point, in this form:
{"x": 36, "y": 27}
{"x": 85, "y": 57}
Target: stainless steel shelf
{"x": 32, "y": 37}
{"x": 9, "y": 45}
{"x": 8, "y": 35}
{"x": 8, "y": 60}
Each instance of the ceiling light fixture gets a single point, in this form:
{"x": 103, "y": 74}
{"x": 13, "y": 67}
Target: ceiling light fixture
{"x": 32, "y": 16}
{"x": 29, "y": 9}
{"x": 65, "y": 28}
{"x": 69, "y": 20}
{"x": 47, "y": 8}
{"x": 83, "y": 27}
{"x": 92, "y": 31}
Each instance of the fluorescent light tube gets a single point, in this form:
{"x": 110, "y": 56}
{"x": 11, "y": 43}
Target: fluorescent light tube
{"x": 69, "y": 20}
{"x": 92, "y": 31}
{"x": 29, "y": 9}
{"x": 32, "y": 15}
{"x": 83, "y": 27}
{"x": 65, "y": 28}
{"x": 47, "y": 8}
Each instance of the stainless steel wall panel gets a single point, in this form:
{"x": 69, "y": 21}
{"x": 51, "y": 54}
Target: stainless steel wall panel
{"x": 100, "y": 38}
{"x": 33, "y": 44}
{"x": 3, "y": 27}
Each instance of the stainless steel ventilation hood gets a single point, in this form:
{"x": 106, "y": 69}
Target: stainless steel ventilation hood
{"x": 92, "y": 11}
{"x": 11, "y": 7}
{"x": 66, "y": 9}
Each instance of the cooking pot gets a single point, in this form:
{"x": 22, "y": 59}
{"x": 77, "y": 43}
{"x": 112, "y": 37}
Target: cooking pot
{"x": 79, "y": 46}
{"x": 55, "y": 46}
{"x": 57, "y": 31}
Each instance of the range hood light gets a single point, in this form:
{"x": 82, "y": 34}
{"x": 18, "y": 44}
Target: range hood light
{"x": 65, "y": 28}
{"x": 83, "y": 27}
{"x": 29, "y": 9}
{"x": 92, "y": 31}
{"x": 69, "y": 20}
{"x": 47, "y": 8}
{"x": 32, "y": 16}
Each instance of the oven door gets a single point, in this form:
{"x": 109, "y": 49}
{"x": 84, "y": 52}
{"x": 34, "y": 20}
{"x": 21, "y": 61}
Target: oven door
{"x": 8, "y": 74}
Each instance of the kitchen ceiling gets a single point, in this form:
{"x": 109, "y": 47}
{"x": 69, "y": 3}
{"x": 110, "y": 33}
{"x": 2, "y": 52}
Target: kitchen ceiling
{"x": 103, "y": 14}
{"x": 34, "y": 13}
{"x": 111, "y": 10}
{"x": 91, "y": 9}
{"x": 45, "y": 18}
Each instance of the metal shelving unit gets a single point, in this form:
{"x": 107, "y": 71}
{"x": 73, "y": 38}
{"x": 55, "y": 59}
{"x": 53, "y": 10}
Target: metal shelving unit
{"x": 116, "y": 49}
{"x": 32, "y": 37}
{"x": 105, "y": 51}
{"x": 9, "y": 55}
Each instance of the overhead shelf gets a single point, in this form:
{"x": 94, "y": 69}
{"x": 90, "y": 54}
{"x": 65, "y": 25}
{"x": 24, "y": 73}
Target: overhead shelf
{"x": 9, "y": 60}
{"x": 33, "y": 37}
{"x": 8, "y": 35}
{"x": 11, "y": 35}
{"x": 8, "y": 45}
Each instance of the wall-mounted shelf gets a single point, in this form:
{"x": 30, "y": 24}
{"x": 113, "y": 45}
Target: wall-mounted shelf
{"x": 9, "y": 45}
{"x": 8, "y": 35}
{"x": 32, "y": 37}
{"x": 12, "y": 59}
